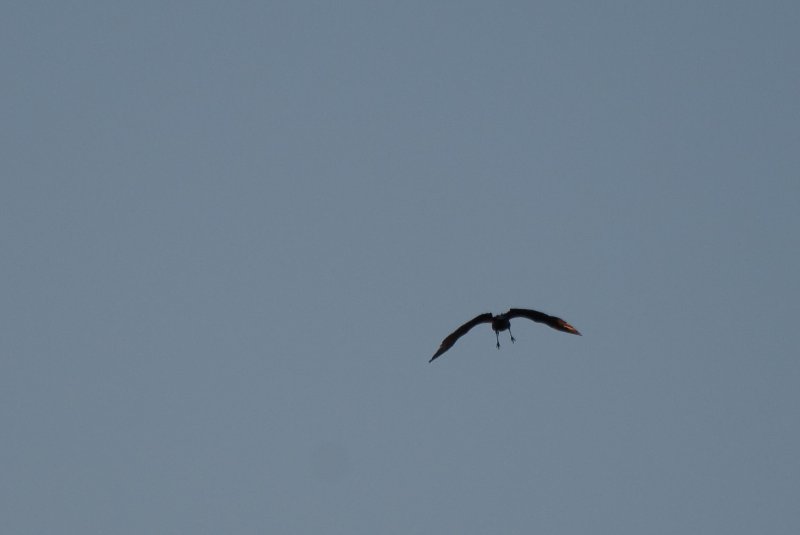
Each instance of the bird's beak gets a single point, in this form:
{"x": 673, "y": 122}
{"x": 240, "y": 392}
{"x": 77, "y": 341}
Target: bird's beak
{"x": 567, "y": 328}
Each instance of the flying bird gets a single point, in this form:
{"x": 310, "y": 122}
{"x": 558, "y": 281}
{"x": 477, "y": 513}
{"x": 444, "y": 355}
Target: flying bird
{"x": 502, "y": 322}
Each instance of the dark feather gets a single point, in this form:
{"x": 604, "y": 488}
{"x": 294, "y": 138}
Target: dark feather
{"x": 541, "y": 317}
{"x": 451, "y": 339}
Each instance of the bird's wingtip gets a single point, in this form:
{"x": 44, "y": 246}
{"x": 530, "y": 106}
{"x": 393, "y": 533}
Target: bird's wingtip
{"x": 566, "y": 327}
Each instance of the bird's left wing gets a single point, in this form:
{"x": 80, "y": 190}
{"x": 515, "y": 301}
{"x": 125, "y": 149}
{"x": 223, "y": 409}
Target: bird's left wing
{"x": 448, "y": 342}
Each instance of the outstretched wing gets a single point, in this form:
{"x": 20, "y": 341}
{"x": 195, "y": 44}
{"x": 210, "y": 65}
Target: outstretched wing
{"x": 448, "y": 342}
{"x": 541, "y": 317}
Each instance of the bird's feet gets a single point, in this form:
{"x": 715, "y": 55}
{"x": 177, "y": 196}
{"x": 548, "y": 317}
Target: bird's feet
{"x": 498, "y": 345}
{"x": 513, "y": 339}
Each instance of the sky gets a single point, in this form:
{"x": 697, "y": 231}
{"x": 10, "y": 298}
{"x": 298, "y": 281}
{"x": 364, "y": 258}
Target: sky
{"x": 233, "y": 235}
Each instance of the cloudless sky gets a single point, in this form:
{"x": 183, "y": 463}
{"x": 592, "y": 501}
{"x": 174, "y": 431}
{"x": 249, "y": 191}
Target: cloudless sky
{"x": 233, "y": 234}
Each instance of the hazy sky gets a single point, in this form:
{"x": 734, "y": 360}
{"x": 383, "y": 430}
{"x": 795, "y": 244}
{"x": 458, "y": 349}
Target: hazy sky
{"x": 233, "y": 234}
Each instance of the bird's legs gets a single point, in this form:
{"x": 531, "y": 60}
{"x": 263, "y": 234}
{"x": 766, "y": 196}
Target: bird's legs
{"x": 497, "y": 336}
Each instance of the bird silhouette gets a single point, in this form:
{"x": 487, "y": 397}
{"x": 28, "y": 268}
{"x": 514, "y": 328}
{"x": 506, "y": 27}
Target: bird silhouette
{"x": 502, "y": 322}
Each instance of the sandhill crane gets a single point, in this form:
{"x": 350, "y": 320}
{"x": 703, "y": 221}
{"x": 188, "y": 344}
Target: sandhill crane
{"x": 502, "y": 322}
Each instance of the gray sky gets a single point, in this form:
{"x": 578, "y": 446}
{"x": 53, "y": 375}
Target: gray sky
{"x": 233, "y": 234}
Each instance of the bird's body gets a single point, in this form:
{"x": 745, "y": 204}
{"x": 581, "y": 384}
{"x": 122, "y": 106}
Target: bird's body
{"x": 502, "y": 322}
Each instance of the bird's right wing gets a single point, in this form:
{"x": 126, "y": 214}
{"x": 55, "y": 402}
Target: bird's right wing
{"x": 451, "y": 339}
{"x": 540, "y": 317}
